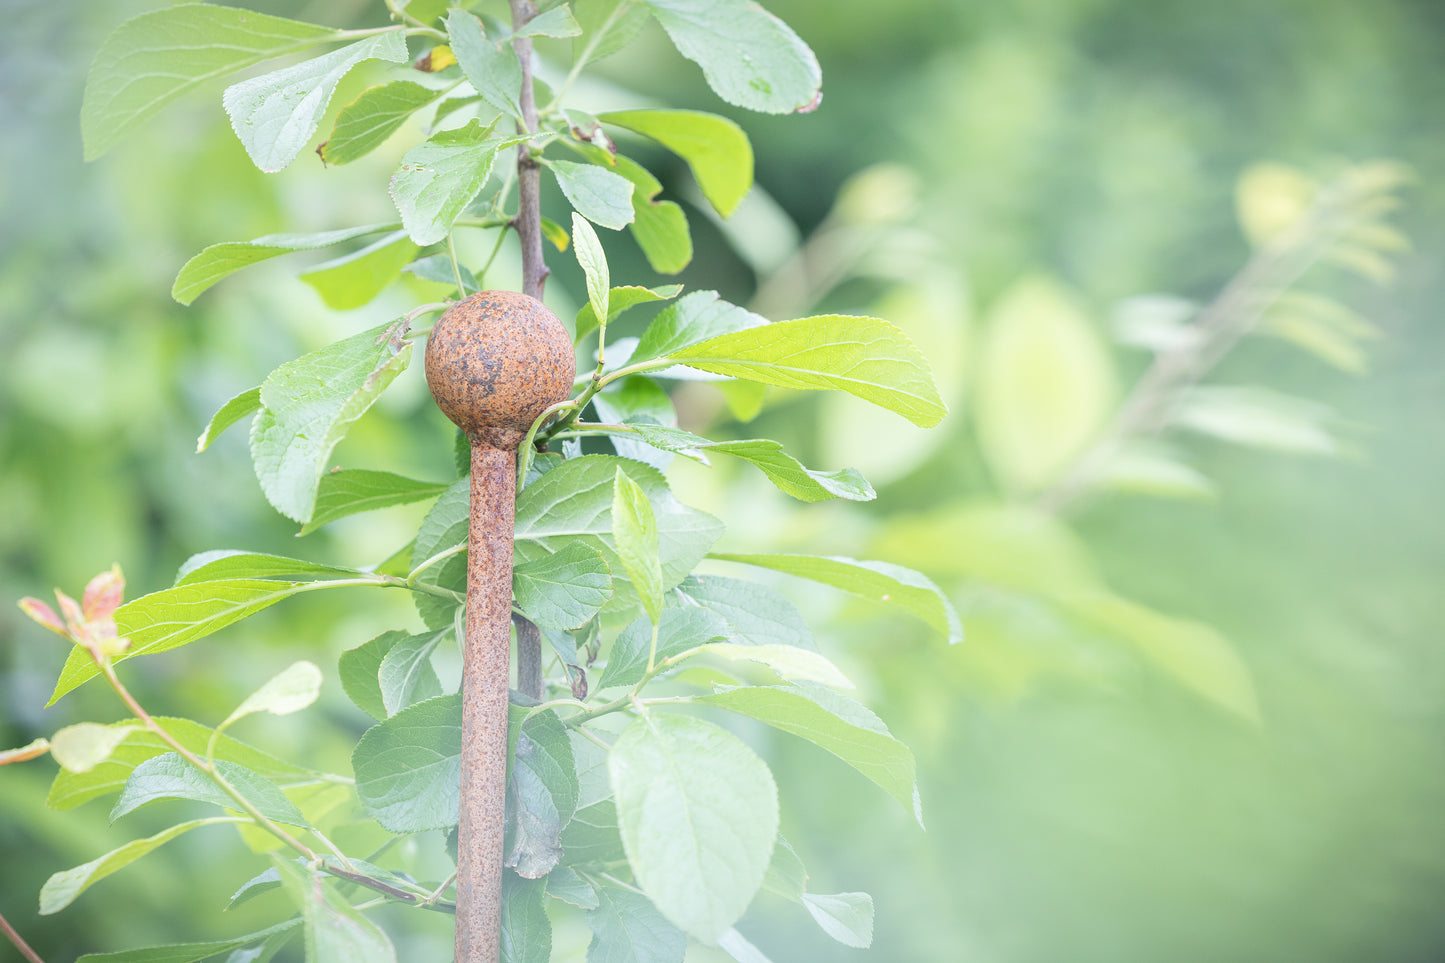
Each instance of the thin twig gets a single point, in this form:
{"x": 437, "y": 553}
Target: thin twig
{"x": 18, "y": 942}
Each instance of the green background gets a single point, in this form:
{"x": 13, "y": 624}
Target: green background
{"x": 1080, "y": 804}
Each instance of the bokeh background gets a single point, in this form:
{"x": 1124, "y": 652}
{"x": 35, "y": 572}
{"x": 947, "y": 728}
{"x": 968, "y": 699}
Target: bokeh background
{"x": 1083, "y": 801}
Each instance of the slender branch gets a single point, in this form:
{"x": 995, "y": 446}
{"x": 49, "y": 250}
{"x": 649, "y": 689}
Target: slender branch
{"x": 436, "y": 894}
{"x": 529, "y": 171}
{"x": 528, "y": 448}
{"x": 17, "y": 941}
{"x": 456, "y": 268}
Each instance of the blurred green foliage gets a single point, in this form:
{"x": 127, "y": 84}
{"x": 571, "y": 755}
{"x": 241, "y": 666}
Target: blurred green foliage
{"x": 1081, "y": 804}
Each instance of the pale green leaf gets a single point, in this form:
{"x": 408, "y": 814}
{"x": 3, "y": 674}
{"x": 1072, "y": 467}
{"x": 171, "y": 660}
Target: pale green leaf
{"x": 555, "y": 233}
{"x": 172, "y": 776}
{"x": 735, "y": 945}
{"x": 566, "y": 885}
{"x": 1045, "y": 387}
{"x": 787, "y": 876}
{"x": 408, "y": 768}
{"x": 698, "y": 812}
{"x": 847, "y": 729}
{"x": 1270, "y": 199}
{"x": 444, "y": 528}
{"x": 228, "y": 414}
{"x": 557, "y": 22}
{"x": 354, "y": 279}
{"x": 593, "y": 261}
{"x": 85, "y": 745}
{"x": 693, "y": 318}
{"x": 756, "y": 614}
{"x": 492, "y": 68}
{"x": 627, "y": 928}
{"x": 635, "y": 400}
{"x": 364, "y": 124}
{"x": 224, "y": 564}
{"x": 794, "y": 665}
{"x": 619, "y": 300}
{"x": 609, "y": 25}
{"x": 599, "y": 195}
{"x": 715, "y": 148}
{"x": 526, "y": 933}
{"x": 438, "y": 178}
{"x": 310, "y": 403}
{"x": 592, "y": 835}
{"x": 351, "y": 491}
{"x": 335, "y": 931}
{"x": 564, "y": 590}
{"x": 880, "y": 581}
{"x": 405, "y": 675}
{"x": 782, "y": 469}
{"x": 156, "y": 57}
{"x": 360, "y": 672}
{"x": 863, "y": 356}
{"x": 659, "y": 227}
{"x": 749, "y": 57}
{"x": 189, "y": 952}
{"x": 275, "y": 114}
{"x": 1144, "y": 470}
{"x": 61, "y": 889}
{"x": 220, "y": 260}
{"x": 634, "y": 530}
{"x": 293, "y": 689}
{"x": 1258, "y": 418}
{"x": 679, "y": 630}
{"x": 847, "y": 917}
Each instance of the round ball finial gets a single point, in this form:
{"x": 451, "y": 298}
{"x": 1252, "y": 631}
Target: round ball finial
{"x": 495, "y": 361}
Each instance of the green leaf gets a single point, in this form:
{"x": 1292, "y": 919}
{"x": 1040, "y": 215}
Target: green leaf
{"x": 69, "y": 789}
{"x": 85, "y": 745}
{"x": 292, "y": 690}
{"x": 220, "y": 260}
{"x": 351, "y": 491}
{"x": 698, "y": 812}
{"x": 335, "y": 931}
{"x": 437, "y": 268}
{"x": 609, "y": 26}
{"x": 226, "y": 564}
{"x": 555, "y": 233}
{"x": 619, "y": 300}
{"x": 756, "y": 614}
{"x": 354, "y": 279}
{"x": 847, "y": 917}
{"x": 557, "y": 22}
{"x": 592, "y": 835}
{"x": 597, "y": 194}
{"x": 593, "y": 261}
{"x": 156, "y": 57}
{"x": 360, "y": 672}
{"x": 564, "y": 590}
{"x": 492, "y": 68}
{"x": 541, "y": 794}
{"x": 171, "y": 776}
{"x": 228, "y": 414}
{"x": 635, "y": 531}
{"x": 715, "y": 148}
{"x": 574, "y": 501}
{"x": 526, "y": 933}
{"x": 175, "y": 616}
{"x": 61, "y": 889}
{"x": 786, "y": 877}
{"x": 275, "y": 114}
{"x": 691, "y": 319}
{"x": 750, "y": 58}
{"x": 188, "y": 952}
{"x": 1046, "y": 384}
{"x": 627, "y": 928}
{"x": 1259, "y": 418}
{"x": 438, "y": 178}
{"x": 880, "y": 581}
{"x": 833, "y": 722}
{"x": 566, "y": 885}
{"x": 635, "y": 400}
{"x": 783, "y": 470}
{"x": 659, "y": 227}
{"x": 678, "y": 631}
{"x": 364, "y": 124}
{"x": 866, "y": 357}
{"x": 309, "y": 405}
{"x": 444, "y": 528}
{"x": 795, "y": 665}
{"x": 405, "y": 675}
{"x": 409, "y": 768}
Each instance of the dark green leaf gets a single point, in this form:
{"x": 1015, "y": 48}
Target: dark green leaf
{"x": 627, "y": 928}
{"x": 526, "y": 932}
{"x": 408, "y": 768}
{"x": 542, "y": 793}
{"x": 171, "y": 776}
{"x": 597, "y": 194}
{"x": 228, "y": 414}
{"x": 492, "y": 68}
{"x": 156, "y": 57}
{"x": 833, "y": 722}
{"x": 679, "y": 630}
{"x": 438, "y": 178}
{"x": 309, "y": 405}
{"x": 351, "y": 491}
{"x": 881, "y": 581}
{"x": 220, "y": 260}
{"x": 715, "y": 148}
{"x": 275, "y": 114}
{"x": 564, "y": 590}
{"x": 698, "y": 812}
{"x": 749, "y": 57}
{"x": 354, "y": 279}
{"x": 691, "y": 319}
{"x": 756, "y": 614}
{"x": 335, "y": 931}
{"x": 866, "y": 357}
{"x": 364, "y": 124}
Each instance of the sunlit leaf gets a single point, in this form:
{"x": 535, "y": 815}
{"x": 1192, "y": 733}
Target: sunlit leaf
{"x": 599, "y": 195}
{"x": 354, "y": 279}
{"x": 715, "y": 148}
{"x": 85, "y": 745}
{"x": 1270, "y": 198}
{"x": 634, "y": 531}
{"x": 219, "y": 260}
{"x": 755, "y": 614}
{"x": 295, "y": 688}
{"x": 619, "y": 300}
{"x": 492, "y": 68}
{"x": 593, "y": 261}
{"x": 438, "y": 178}
{"x": 692, "y": 318}
{"x": 228, "y": 414}
{"x": 364, "y": 124}
{"x": 226, "y": 564}
{"x": 659, "y": 227}
{"x": 350, "y": 491}
{"x": 794, "y": 665}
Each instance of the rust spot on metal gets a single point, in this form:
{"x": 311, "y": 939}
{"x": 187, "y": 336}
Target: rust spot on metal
{"x": 494, "y": 362}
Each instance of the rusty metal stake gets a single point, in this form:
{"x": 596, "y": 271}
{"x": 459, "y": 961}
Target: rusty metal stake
{"x": 494, "y": 362}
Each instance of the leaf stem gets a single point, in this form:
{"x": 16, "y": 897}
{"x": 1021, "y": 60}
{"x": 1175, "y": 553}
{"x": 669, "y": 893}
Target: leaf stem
{"x": 19, "y": 943}
{"x": 456, "y": 268}
{"x": 527, "y": 449}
